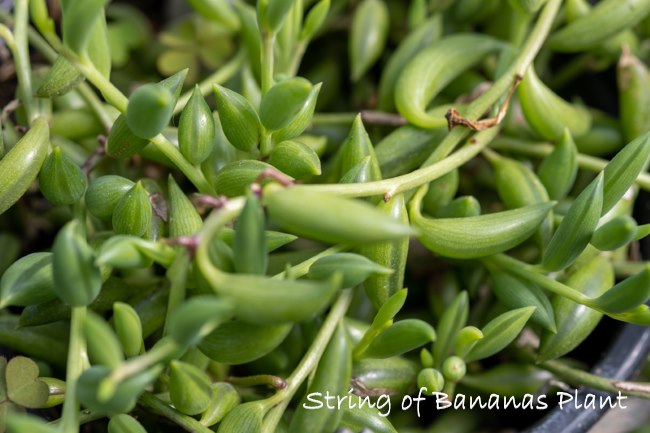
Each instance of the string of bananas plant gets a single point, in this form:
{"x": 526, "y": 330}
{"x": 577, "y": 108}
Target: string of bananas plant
{"x": 213, "y": 228}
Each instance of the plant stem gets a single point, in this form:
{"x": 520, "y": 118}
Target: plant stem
{"x": 85, "y": 416}
{"x": 111, "y": 94}
{"x": 43, "y": 47}
{"x": 223, "y": 74}
{"x": 156, "y": 405}
{"x": 368, "y": 116}
{"x": 584, "y": 378}
{"x": 266, "y": 142}
{"x": 259, "y": 379}
{"x": 114, "y": 97}
{"x": 267, "y": 60}
{"x": 326, "y": 119}
{"x": 518, "y": 68}
{"x": 414, "y": 179}
{"x": 165, "y": 348}
{"x": 541, "y": 149}
{"x": 439, "y": 163}
{"x": 75, "y": 365}
{"x": 308, "y": 363}
{"x": 268, "y": 41}
{"x": 296, "y": 58}
{"x": 21, "y": 58}
{"x": 96, "y": 105}
{"x": 528, "y": 272}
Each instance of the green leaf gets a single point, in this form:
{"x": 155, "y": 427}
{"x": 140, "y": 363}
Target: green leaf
{"x": 103, "y": 345}
{"x": 518, "y": 186}
{"x": 283, "y": 102}
{"x": 249, "y": 242}
{"x": 621, "y": 172}
{"x": 616, "y": 233}
{"x": 547, "y": 113}
{"x": 361, "y": 172}
{"x": 189, "y": 388}
{"x": 77, "y": 280}
{"x": 425, "y": 75}
{"x": 454, "y": 369}
{"x": 382, "y": 320}
{"x": 431, "y": 379}
{"x": 294, "y": 301}
{"x": 389, "y": 309}
{"x": 245, "y": 418}
{"x": 460, "y": 207}
{"x": 452, "y": 321}
{"x": 196, "y": 129}
{"x": 125, "y": 395}
{"x": 133, "y": 212}
{"x": 79, "y": 19}
{"x": 20, "y": 166}
{"x": 440, "y": 192}
{"x": 333, "y": 374}
{"x": 62, "y": 181}
{"x": 466, "y": 339}
{"x": 104, "y": 193}
{"x": 368, "y": 36}
{"x": 224, "y": 398}
{"x": 61, "y": 78}
{"x": 633, "y": 77}
{"x": 366, "y": 417}
{"x": 23, "y": 385}
{"x": 392, "y": 254}
{"x": 276, "y": 13}
{"x": 237, "y": 342}
{"x": 128, "y": 328}
{"x": 28, "y": 423}
{"x": 123, "y": 252}
{"x": 575, "y": 231}
{"x": 356, "y": 147}
{"x": 220, "y": 11}
{"x": 500, "y": 332}
{"x": 404, "y": 149}
{"x": 274, "y": 240}
{"x": 184, "y": 220}
{"x": 355, "y": 268}
{"x": 122, "y": 142}
{"x": 124, "y": 423}
{"x": 626, "y": 295}
{"x": 295, "y": 159}
{"x": 417, "y": 40}
{"x": 40, "y": 17}
{"x": 399, "y": 338}
{"x": 315, "y": 19}
{"x": 3, "y": 383}
{"x": 150, "y": 110}
{"x": 235, "y": 178}
{"x": 98, "y": 48}
{"x": 239, "y": 120}
{"x": 28, "y": 281}
{"x": 394, "y": 374}
{"x": 575, "y": 322}
{"x": 330, "y": 218}
{"x": 478, "y": 236}
{"x": 515, "y": 293}
{"x": 197, "y": 317}
{"x": 559, "y": 169}
{"x": 517, "y": 380}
